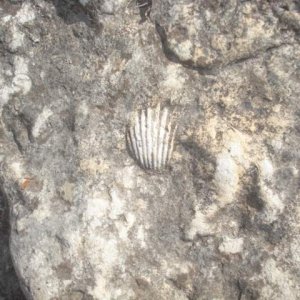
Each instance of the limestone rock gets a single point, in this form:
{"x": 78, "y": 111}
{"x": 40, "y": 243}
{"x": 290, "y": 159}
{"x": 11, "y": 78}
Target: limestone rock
{"x": 222, "y": 220}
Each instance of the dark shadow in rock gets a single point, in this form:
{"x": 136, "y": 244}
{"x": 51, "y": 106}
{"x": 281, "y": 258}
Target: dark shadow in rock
{"x": 246, "y": 292}
{"x": 9, "y": 284}
{"x": 71, "y": 11}
{"x": 202, "y": 168}
{"x": 275, "y": 232}
{"x": 200, "y": 153}
{"x": 252, "y": 189}
{"x": 145, "y": 9}
{"x": 171, "y": 56}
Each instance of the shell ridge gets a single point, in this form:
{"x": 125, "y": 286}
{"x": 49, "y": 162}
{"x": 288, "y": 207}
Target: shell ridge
{"x": 143, "y": 138}
{"x": 151, "y": 136}
{"x": 148, "y": 139}
{"x": 138, "y": 140}
{"x": 155, "y": 137}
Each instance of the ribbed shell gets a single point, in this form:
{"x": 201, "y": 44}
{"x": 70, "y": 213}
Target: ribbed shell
{"x": 150, "y": 137}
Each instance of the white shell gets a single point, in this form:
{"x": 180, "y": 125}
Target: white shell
{"x": 150, "y": 137}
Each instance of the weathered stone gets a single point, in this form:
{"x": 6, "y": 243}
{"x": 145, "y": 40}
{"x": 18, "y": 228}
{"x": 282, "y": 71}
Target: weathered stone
{"x": 221, "y": 222}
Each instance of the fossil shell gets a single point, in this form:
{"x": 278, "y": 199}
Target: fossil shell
{"x": 150, "y": 137}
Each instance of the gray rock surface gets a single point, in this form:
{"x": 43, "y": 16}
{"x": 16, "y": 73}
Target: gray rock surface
{"x": 222, "y": 221}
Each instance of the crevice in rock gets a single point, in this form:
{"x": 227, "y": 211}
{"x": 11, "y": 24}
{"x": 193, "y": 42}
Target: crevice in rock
{"x": 253, "y": 197}
{"x": 244, "y": 292}
{"x": 240, "y": 288}
{"x": 170, "y": 55}
{"x": 19, "y": 146}
{"x": 214, "y": 67}
{"x": 9, "y": 284}
{"x": 20, "y": 126}
{"x": 145, "y": 9}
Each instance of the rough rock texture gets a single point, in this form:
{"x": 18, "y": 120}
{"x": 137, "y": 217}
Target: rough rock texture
{"x": 222, "y": 221}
